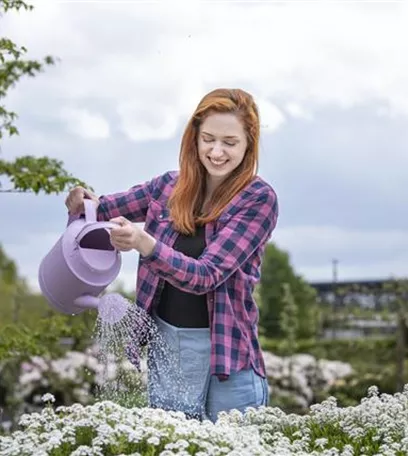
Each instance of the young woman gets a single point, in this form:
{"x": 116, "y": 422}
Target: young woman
{"x": 205, "y": 231}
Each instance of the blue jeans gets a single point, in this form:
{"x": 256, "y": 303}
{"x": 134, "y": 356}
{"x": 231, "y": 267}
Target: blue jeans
{"x": 179, "y": 376}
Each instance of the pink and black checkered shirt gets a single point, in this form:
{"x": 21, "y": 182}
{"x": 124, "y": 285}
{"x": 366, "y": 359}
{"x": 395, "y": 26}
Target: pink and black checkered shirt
{"x": 226, "y": 272}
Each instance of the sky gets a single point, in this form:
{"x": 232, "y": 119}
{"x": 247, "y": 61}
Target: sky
{"x": 330, "y": 80}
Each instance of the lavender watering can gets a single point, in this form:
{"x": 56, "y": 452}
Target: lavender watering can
{"x": 80, "y": 266}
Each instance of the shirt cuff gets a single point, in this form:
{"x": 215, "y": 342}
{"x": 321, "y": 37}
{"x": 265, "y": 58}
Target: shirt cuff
{"x": 155, "y": 255}
{"x": 159, "y": 260}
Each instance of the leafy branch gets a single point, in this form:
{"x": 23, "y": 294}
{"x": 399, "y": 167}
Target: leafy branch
{"x": 30, "y": 173}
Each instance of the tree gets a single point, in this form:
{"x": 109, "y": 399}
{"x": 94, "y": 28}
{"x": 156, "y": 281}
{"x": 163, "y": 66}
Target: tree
{"x": 12, "y": 287}
{"x": 277, "y": 270}
{"x": 26, "y": 173}
{"x": 398, "y": 290}
{"x": 289, "y": 321}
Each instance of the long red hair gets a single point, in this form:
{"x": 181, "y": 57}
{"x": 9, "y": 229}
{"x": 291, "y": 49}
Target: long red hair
{"x": 189, "y": 192}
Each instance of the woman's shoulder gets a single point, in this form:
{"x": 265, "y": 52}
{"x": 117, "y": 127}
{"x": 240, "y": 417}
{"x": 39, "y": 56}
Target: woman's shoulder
{"x": 257, "y": 189}
{"x": 258, "y": 193}
{"x": 260, "y": 185}
{"x": 162, "y": 185}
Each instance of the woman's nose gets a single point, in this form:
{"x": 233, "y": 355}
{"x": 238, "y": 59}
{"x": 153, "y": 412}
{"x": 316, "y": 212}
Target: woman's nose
{"x": 217, "y": 149}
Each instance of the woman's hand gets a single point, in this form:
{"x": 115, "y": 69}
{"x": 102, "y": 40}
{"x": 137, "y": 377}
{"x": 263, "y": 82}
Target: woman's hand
{"x": 75, "y": 200}
{"x": 128, "y": 236}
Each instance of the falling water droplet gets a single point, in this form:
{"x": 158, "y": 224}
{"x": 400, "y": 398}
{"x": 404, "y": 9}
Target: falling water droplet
{"x": 124, "y": 333}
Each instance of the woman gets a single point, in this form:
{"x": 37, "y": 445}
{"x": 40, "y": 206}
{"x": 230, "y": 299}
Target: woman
{"x": 206, "y": 227}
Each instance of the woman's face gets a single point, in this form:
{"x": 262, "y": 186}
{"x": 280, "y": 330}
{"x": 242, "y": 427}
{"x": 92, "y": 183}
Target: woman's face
{"x": 222, "y": 144}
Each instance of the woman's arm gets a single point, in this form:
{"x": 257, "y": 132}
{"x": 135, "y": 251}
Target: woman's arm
{"x": 132, "y": 204}
{"x": 228, "y": 250}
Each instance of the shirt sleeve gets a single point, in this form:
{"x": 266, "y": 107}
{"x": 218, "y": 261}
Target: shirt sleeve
{"x": 227, "y": 251}
{"x": 132, "y": 204}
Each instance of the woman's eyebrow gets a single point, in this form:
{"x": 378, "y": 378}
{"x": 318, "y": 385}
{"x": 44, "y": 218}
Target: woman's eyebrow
{"x": 228, "y": 136}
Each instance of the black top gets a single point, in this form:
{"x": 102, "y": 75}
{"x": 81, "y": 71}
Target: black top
{"x": 177, "y": 307}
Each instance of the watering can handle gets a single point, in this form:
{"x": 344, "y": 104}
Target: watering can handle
{"x": 91, "y": 226}
{"x": 90, "y": 210}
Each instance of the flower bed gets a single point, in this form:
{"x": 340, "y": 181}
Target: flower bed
{"x": 377, "y": 426}
{"x": 300, "y": 376}
{"x": 81, "y": 378}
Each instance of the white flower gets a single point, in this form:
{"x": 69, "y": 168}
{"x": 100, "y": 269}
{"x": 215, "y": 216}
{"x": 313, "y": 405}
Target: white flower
{"x": 48, "y": 397}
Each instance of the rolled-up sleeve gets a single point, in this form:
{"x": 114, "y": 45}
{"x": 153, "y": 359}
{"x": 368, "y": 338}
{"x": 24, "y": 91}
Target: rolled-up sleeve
{"x": 131, "y": 204}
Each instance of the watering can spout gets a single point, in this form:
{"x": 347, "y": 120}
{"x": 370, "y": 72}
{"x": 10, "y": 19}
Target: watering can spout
{"x": 111, "y": 307}
{"x": 87, "y": 302}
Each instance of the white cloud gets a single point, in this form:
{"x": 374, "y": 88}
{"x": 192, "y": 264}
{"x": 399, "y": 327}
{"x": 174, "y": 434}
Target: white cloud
{"x": 271, "y": 117}
{"x": 85, "y": 124}
{"x": 153, "y": 56}
{"x": 298, "y": 111}
{"x": 142, "y": 123}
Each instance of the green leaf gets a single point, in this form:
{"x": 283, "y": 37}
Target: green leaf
{"x": 29, "y": 173}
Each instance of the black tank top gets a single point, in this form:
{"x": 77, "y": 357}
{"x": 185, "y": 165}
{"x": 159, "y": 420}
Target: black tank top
{"x": 177, "y": 307}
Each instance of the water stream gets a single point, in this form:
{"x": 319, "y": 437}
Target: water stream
{"x": 123, "y": 345}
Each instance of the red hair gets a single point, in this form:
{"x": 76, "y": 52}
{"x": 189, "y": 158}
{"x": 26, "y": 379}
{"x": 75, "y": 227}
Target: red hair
{"x": 189, "y": 192}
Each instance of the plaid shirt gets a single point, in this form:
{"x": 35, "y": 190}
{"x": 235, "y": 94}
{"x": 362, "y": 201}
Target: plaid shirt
{"x": 226, "y": 272}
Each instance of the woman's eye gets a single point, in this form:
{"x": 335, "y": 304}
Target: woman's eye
{"x": 206, "y": 140}
{"x": 230, "y": 144}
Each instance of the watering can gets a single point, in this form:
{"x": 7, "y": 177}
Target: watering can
{"x": 80, "y": 266}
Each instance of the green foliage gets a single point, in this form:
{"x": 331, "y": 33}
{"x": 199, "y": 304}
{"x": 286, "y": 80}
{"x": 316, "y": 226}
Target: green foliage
{"x": 350, "y": 390}
{"x": 13, "y": 66}
{"x": 38, "y": 174}
{"x": 371, "y": 351}
{"x": 289, "y": 321}
{"x": 26, "y": 173}
{"x": 8, "y": 270}
{"x": 276, "y": 270}
{"x": 20, "y": 342}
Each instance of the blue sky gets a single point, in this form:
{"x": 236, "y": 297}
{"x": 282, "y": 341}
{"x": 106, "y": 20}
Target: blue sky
{"x": 330, "y": 81}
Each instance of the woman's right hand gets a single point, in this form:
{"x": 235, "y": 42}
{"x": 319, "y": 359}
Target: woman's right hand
{"x": 75, "y": 200}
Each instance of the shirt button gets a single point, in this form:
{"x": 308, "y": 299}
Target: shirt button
{"x": 160, "y": 216}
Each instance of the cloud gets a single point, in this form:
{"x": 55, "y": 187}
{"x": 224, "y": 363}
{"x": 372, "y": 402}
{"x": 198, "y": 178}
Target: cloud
{"x": 297, "y": 111}
{"x": 154, "y": 63}
{"x": 141, "y": 123}
{"x": 271, "y": 117}
{"x": 85, "y": 124}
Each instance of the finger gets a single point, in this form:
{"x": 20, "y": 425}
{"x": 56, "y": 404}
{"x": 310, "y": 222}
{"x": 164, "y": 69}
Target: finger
{"x": 121, "y": 221}
{"x": 74, "y": 200}
{"x": 120, "y": 231}
{"x": 122, "y": 246}
{"x": 117, "y": 236}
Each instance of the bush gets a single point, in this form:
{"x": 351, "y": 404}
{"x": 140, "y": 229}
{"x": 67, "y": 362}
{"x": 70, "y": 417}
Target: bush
{"x": 370, "y": 351}
{"x": 351, "y": 389}
{"x": 377, "y": 426}
{"x": 76, "y": 377}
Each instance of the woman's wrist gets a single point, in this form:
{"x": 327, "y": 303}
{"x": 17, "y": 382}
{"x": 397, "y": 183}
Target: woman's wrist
{"x": 146, "y": 244}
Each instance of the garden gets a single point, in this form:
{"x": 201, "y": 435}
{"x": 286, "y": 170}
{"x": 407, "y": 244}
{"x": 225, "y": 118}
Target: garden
{"x": 60, "y": 395}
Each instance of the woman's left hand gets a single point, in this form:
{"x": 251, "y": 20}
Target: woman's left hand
{"x": 128, "y": 236}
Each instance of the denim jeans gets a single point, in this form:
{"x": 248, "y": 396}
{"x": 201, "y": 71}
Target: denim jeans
{"x": 179, "y": 376}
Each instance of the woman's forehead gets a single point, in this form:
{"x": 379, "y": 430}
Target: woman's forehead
{"x": 222, "y": 124}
